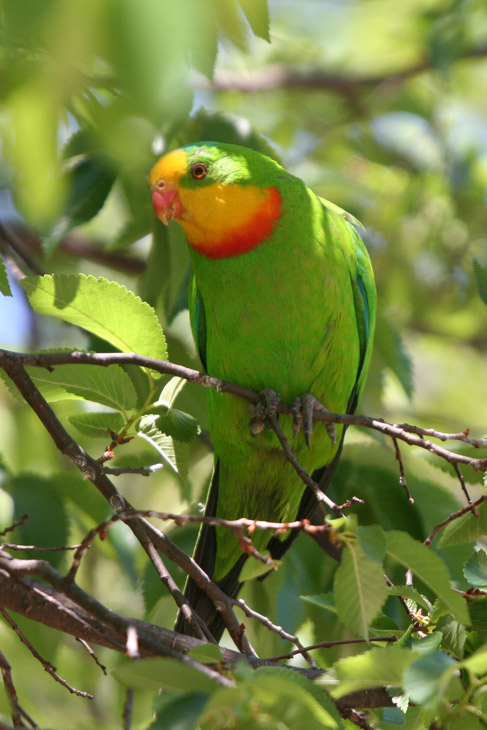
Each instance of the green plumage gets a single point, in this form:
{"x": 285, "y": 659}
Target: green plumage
{"x": 296, "y": 313}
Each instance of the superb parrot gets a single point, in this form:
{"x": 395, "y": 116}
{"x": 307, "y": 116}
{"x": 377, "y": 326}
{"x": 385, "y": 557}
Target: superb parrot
{"x": 282, "y": 297}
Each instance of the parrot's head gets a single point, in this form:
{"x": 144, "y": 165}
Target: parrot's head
{"x": 224, "y": 196}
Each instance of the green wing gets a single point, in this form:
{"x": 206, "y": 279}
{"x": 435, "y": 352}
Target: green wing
{"x": 198, "y": 320}
{"x": 364, "y": 294}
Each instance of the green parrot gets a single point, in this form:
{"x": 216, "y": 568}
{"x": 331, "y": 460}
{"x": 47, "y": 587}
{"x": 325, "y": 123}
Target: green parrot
{"x": 283, "y": 297}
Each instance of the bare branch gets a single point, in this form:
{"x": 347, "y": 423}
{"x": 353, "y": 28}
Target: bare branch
{"x": 85, "y": 618}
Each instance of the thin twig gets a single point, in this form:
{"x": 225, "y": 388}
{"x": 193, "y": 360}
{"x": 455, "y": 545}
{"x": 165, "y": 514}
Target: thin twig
{"x": 265, "y": 621}
{"x": 17, "y": 711}
{"x": 36, "y": 548}
{"x": 454, "y": 516}
{"x": 12, "y": 527}
{"x": 402, "y": 478}
{"x": 50, "y": 668}
{"x": 144, "y": 471}
{"x": 128, "y": 707}
{"x": 463, "y": 485}
{"x": 329, "y": 645}
{"x": 92, "y": 654}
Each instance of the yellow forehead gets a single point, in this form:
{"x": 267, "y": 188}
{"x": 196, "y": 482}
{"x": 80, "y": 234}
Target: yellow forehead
{"x": 170, "y": 167}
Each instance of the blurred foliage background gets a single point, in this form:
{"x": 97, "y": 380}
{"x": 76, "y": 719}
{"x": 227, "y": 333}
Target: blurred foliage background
{"x": 380, "y": 106}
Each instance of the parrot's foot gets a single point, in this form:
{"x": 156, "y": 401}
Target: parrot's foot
{"x": 303, "y": 408}
{"x": 264, "y": 410}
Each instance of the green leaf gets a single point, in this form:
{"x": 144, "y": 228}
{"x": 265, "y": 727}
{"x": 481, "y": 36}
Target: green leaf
{"x": 109, "y": 386}
{"x": 478, "y": 614}
{"x": 88, "y": 182}
{"x": 297, "y": 682}
{"x": 174, "y": 454}
{"x": 466, "y": 529}
{"x": 257, "y": 14}
{"x": 4, "y": 284}
{"x": 454, "y": 636}
{"x": 324, "y": 600}
{"x": 179, "y": 712}
{"x": 181, "y": 426}
{"x": 429, "y": 568}
{"x": 360, "y": 589}
{"x": 206, "y": 654}
{"x": 481, "y": 277}
{"x": 390, "y": 348}
{"x": 102, "y": 307}
{"x": 373, "y": 542}
{"x": 34, "y": 496}
{"x": 166, "y": 673}
{"x": 411, "y": 593}
{"x": 374, "y": 668}
{"x": 429, "y": 643}
{"x": 475, "y": 569}
{"x": 426, "y": 679}
{"x": 97, "y": 424}
{"x": 477, "y": 662}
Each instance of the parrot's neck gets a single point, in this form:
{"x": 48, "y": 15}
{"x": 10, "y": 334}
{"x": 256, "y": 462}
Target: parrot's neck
{"x": 234, "y": 220}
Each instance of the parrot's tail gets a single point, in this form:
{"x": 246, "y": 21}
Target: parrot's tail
{"x": 205, "y": 551}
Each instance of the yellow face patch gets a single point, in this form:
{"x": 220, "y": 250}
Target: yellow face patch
{"x": 171, "y": 167}
{"x": 221, "y": 220}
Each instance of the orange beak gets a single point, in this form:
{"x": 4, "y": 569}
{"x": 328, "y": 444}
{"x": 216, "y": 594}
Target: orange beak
{"x": 165, "y": 200}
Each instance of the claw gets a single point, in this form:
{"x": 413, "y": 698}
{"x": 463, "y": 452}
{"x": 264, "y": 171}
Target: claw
{"x": 303, "y": 409}
{"x": 265, "y": 409}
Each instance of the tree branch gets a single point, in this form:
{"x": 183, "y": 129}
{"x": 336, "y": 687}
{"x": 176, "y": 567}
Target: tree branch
{"x": 84, "y": 618}
{"x": 278, "y": 77}
{"x": 412, "y": 435}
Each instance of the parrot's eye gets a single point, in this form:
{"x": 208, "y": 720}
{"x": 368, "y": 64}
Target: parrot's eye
{"x": 199, "y": 171}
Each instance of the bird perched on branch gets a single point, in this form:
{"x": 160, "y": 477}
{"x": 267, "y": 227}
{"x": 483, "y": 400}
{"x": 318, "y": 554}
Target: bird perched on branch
{"x": 282, "y": 297}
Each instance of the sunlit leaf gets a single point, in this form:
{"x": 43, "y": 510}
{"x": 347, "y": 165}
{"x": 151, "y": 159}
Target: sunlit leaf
{"x": 4, "y": 284}
{"x": 413, "y": 594}
{"x": 206, "y": 653}
{"x": 360, "y": 589}
{"x": 429, "y": 568}
{"x": 169, "y": 674}
{"x": 475, "y": 570}
{"x": 466, "y": 529}
{"x": 102, "y": 307}
{"x": 109, "y": 386}
{"x": 373, "y": 668}
{"x": 427, "y": 679}
{"x": 257, "y": 13}
{"x": 174, "y": 454}
{"x": 97, "y": 424}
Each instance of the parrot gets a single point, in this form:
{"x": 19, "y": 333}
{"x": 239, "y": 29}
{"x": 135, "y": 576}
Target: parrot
{"x": 282, "y": 297}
